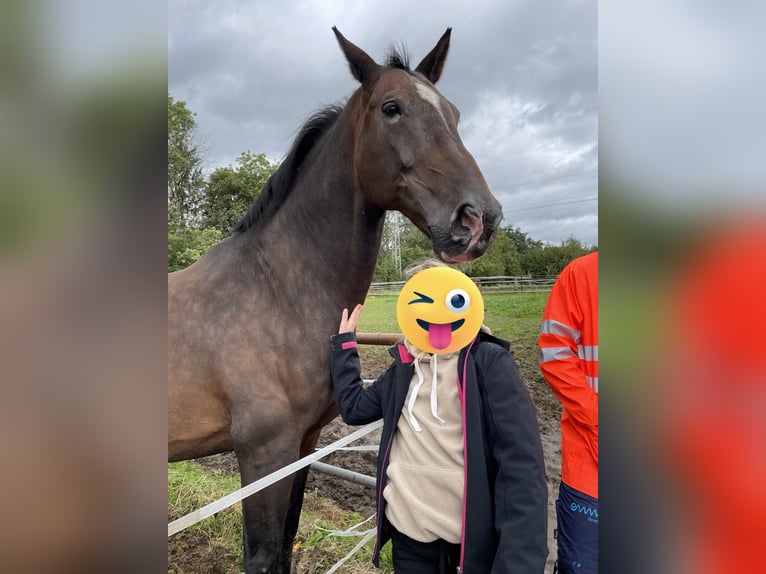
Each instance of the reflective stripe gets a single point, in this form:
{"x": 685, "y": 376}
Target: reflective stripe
{"x": 593, "y": 382}
{"x": 552, "y": 327}
{"x": 547, "y": 354}
{"x": 588, "y": 352}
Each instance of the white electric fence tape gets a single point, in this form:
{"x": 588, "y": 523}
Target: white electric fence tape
{"x": 351, "y": 530}
{"x": 230, "y": 499}
{"x": 370, "y": 533}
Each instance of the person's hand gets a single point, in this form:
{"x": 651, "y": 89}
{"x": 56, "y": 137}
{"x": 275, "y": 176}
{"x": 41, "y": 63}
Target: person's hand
{"x": 348, "y": 324}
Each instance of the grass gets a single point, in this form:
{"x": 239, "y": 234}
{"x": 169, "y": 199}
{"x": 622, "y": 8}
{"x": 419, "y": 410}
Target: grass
{"x": 320, "y": 549}
{"x": 512, "y": 316}
{"x": 191, "y": 486}
{"x": 379, "y": 315}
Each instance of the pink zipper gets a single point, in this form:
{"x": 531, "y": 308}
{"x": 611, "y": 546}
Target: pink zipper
{"x": 465, "y": 457}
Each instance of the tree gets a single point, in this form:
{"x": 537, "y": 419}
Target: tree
{"x": 185, "y": 179}
{"x": 501, "y": 258}
{"x": 402, "y": 244}
{"x": 187, "y": 245}
{"x": 231, "y": 190}
{"x": 521, "y": 240}
{"x": 388, "y": 264}
{"x": 415, "y": 246}
{"x": 549, "y": 260}
{"x": 512, "y": 253}
{"x": 186, "y": 240}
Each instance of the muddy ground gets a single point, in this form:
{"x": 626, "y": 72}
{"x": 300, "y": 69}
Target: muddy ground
{"x": 187, "y": 555}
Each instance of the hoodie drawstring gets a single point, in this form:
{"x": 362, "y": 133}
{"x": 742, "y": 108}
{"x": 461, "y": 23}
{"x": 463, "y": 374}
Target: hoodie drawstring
{"x": 434, "y": 406}
{"x": 416, "y": 389}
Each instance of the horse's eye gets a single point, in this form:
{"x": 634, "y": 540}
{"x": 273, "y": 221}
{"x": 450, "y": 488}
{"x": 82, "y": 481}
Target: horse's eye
{"x": 391, "y": 109}
{"x": 458, "y": 301}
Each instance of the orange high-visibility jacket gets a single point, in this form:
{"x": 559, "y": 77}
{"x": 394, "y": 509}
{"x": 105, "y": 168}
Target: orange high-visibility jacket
{"x": 568, "y": 357}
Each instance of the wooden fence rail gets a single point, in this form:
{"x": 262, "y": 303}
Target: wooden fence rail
{"x": 378, "y": 338}
{"x": 496, "y": 284}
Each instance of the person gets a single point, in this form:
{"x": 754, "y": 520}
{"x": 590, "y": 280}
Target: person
{"x": 568, "y": 359}
{"x": 461, "y": 481}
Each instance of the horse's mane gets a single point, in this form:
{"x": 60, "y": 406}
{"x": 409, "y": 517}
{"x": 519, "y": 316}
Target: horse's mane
{"x": 279, "y": 185}
{"x": 398, "y": 58}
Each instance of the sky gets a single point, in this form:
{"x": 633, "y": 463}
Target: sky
{"x": 523, "y": 74}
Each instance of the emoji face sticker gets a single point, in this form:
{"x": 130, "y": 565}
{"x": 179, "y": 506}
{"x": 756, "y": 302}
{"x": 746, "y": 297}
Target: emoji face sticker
{"x": 440, "y": 310}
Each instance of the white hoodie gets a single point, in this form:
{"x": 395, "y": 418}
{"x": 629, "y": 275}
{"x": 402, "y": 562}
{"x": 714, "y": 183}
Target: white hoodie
{"x": 424, "y": 490}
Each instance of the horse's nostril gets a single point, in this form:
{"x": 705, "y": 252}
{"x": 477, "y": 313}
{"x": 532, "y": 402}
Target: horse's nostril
{"x": 467, "y": 225}
{"x": 471, "y": 211}
{"x": 469, "y": 216}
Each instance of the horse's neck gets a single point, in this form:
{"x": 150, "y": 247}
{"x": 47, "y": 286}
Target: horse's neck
{"x": 325, "y": 230}
{"x": 336, "y": 236}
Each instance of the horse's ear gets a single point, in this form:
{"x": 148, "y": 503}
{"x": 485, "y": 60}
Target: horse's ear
{"x": 363, "y": 68}
{"x": 433, "y": 64}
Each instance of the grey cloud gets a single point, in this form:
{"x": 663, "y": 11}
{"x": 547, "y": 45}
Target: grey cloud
{"x": 523, "y": 75}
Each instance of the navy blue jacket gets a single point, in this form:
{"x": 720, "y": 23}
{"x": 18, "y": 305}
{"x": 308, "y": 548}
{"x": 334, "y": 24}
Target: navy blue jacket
{"x": 505, "y": 505}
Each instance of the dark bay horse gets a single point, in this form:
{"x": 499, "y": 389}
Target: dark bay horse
{"x": 249, "y": 323}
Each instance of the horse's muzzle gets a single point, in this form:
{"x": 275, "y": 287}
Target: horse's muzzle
{"x": 471, "y": 232}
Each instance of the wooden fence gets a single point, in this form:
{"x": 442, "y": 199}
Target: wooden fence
{"x": 495, "y": 284}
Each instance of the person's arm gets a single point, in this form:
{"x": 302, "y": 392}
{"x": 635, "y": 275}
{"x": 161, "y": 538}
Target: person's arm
{"x": 558, "y": 353}
{"x": 521, "y": 492}
{"x": 356, "y": 404}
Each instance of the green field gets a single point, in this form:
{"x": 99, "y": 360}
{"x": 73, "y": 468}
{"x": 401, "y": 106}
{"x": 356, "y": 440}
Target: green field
{"x": 512, "y": 316}
{"x": 509, "y": 315}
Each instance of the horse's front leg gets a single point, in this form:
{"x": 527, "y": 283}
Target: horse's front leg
{"x": 264, "y": 513}
{"x": 296, "y": 502}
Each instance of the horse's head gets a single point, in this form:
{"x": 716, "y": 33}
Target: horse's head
{"x": 408, "y": 155}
